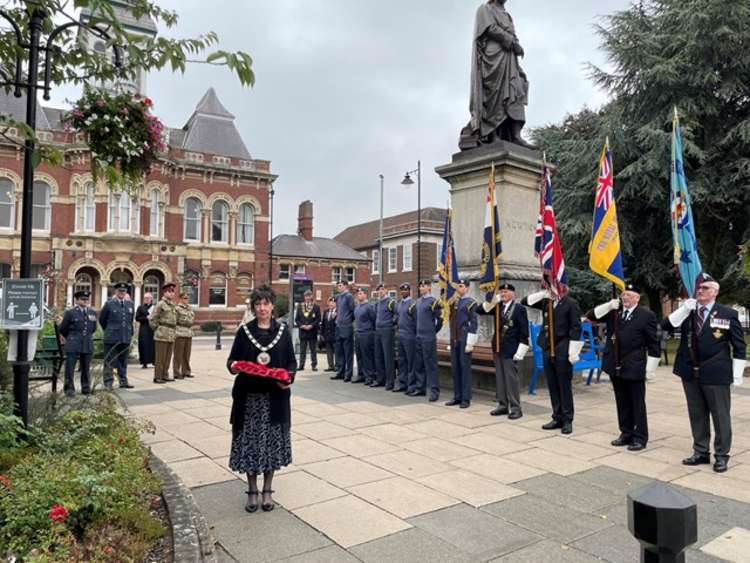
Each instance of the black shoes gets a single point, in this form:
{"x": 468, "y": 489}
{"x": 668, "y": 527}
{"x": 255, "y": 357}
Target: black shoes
{"x": 636, "y": 446}
{"x": 567, "y": 428}
{"x": 721, "y": 465}
{"x": 515, "y": 415}
{"x": 416, "y": 393}
{"x": 127, "y": 386}
{"x": 697, "y": 459}
{"x": 552, "y": 425}
{"x": 252, "y": 506}
{"x": 620, "y": 441}
{"x": 377, "y": 384}
{"x": 389, "y": 387}
{"x": 358, "y": 380}
{"x": 465, "y": 404}
{"x": 399, "y": 389}
{"x": 268, "y": 506}
{"x": 335, "y": 377}
{"x": 499, "y": 411}
{"x": 314, "y": 368}
{"x": 434, "y": 398}
{"x": 452, "y": 403}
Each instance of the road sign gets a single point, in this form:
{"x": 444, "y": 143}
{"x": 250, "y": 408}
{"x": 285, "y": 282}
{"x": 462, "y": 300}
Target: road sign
{"x": 300, "y": 286}
{"x": 22, "y": 304}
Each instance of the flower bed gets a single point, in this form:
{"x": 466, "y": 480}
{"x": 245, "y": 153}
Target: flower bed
{"x": 78, "y": 489}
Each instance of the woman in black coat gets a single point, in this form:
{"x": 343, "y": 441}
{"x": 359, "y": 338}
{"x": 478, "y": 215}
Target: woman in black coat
{"x": 261, "y": 411}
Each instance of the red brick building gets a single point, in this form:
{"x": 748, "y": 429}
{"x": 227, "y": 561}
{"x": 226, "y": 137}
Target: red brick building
{"x": 200, "y": 219}
{"x": 399, "y": 261}
{"x": 324, "y": 261}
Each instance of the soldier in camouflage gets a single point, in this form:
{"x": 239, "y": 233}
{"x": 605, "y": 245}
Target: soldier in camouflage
{"x": 163, "y": 320}
{"x": 183, "y": 343}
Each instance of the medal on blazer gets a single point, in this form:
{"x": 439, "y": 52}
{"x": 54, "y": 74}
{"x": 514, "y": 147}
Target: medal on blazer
{"x": 717, "y": 334}
{"x": 264, "y": 358}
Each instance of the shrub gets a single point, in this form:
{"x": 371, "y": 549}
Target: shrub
{"x": 210, "y": 326}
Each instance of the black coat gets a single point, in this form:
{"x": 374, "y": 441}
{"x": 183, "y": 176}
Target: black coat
{"x": 567, "y": 316}
{"x": 78, "y": 327}
{"x": 117, "y": 319}
{"x": 328, "y": 327}
{"x": 313, "y": 319}
{"x": 146, "y": 347}
{"x": 720, "y": 340}
{"x": 637, "y": 340}
{"x": 514, "y": 329}
{"x": 282, "y": 356}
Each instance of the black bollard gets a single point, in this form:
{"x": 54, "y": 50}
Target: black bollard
{"x": 664, "y": 521}
{"x": 218, "y": 336}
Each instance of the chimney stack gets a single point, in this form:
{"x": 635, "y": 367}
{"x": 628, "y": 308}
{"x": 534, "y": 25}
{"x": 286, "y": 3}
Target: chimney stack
{"x": 305, "y": 220}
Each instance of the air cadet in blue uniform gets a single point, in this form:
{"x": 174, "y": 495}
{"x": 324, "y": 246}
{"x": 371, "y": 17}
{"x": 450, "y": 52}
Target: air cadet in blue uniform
{"x": 385, "y": 333}
{"x": 711, "y": 336}
{"x": 116, "y": 319}
{"x": 429, "y": 320}
{"x": 407, "y": 334}
{"x": 345, "y": 332}
{"x": 77, "y": 329}
{"x": 364, "y": 321}
{"x": 463, "y": 329}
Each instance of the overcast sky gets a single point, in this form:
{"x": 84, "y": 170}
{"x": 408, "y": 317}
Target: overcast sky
{"x": 350, "y": 89}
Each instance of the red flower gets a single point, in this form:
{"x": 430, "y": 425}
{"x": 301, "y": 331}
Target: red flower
{"x": 148, "y": 102}
{"x": 6, "y": 482}
{"x": 58, "y": 513}
{"x": 121, "y": 439}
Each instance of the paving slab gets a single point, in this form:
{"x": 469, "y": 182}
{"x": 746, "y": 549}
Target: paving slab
{"x": 350, "y": 521}
{"x": 309, "y": 451}
{"x": 486, "y": 442}
{"x": 360, "y": 445}
{"x": 477, "y": 533}
{"x": 174, "y": 450}
{"x": 414, "y": 546}
{"x": 299, "y": 488}
{"x": 547, "y": 552}
{"x": 734, "y": 545}
{"x": 403, "y": 497}
{"x": 322, "y": 430}
{"x": 201, "y": 471}
{"x": 439, "y": 449}
{"x": 497, "y": 468}
{"x": 619, "y": 482}
{"x": 471, "y": 488}
{"x": 564, "y": 525}
{"x": 568, "y": 493}
{"x": 392, "y": 433}
{"x": 330, "y": 554}
{"x": 615, "y": 544}
{"x": 549, "y": 461}
{"x": 408, "y": 464}
{"x": 347, "y": 471}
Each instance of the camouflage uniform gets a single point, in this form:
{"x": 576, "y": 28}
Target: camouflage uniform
{"x": 163, "y": 320}
{"x": 183, "y": 342}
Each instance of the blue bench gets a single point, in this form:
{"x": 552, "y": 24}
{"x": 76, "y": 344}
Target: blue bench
{"x": 590, "y": 358}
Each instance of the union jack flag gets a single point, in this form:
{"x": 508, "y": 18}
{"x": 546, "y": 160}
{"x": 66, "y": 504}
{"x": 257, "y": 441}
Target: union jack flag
{"x": 547, "y": 241}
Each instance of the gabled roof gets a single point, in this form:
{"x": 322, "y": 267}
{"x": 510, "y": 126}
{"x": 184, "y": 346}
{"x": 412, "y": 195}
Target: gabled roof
{"x": 296, "y": 246}
{"x": 211, "y": 130}
{"x": 16, "y": 108}
{"x": 365, "y": 235}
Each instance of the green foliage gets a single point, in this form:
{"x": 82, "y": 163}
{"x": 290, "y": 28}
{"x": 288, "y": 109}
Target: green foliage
{"x": 281, "y": 308}
{"x": 692, "y": 54}
{"x": 210, "y": 326}
{"x": 6, "y": 370}
{"x": 88, "y": 467}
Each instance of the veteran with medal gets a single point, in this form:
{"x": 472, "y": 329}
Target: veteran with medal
{"x": 710, "y": 358}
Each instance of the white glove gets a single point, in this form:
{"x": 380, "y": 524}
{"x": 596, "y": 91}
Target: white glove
{"x": 604, "y": 309}
{"x": 535, "y": 298}
{"x": 521, "y": 352}
{"x": 682, "y": 312}
{"x": 488, "y": 306}
{"x": 738, "y": 369}
{"x": 471, "y": 340}
{"x": 574, "y": 350}
{"x": 651, "y": 365}
{"x": 448, "y": 347}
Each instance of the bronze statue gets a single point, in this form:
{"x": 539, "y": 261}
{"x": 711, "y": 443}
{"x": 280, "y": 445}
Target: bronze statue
{"x": 499, "y": 87}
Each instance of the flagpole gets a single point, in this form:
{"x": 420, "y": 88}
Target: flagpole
{"x": 550, "y": 304}
{"x": 618, "y": 367}
{"x": 493, "y": 254}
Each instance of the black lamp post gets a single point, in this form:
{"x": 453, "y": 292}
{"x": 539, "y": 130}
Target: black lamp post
{"x": 30, "y": 86}
{"x": 407, "y": 181}
{"x": 270, "y": 239}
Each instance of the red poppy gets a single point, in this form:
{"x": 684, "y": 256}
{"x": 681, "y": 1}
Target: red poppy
{"x": 58, "y": 513}
{"x": 148, "y": 102}
{"x": 6, "y": 482}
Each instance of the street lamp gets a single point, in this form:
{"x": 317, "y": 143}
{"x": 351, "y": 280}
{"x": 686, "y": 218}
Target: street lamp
{"x": 270, "y": 240}
{"x": 380, "y": 238}
{"x": 407, "y": 181}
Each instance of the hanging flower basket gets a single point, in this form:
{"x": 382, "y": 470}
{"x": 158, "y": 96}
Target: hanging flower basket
{"x": 123, "y": 136}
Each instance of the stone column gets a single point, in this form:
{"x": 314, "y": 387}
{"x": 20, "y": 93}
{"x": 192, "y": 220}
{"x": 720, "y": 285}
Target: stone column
{"x": 69, "y": 295}
{"x": 138, "y": 292}
{"x": 206, "y": 231}
{"x": 232, "y": 228}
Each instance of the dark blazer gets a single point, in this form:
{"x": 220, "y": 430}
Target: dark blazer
{"x": 328, "y": 327}
{"x": 313, "y": 319}
{"x": 117, "y": 321}
{"x": 637, "y": 340}
{"x": 514, "y": 329}
{"x": 282, "y": 356}
{"x": 720, "y": 340}
{"x": 567, "y": 324}
{"x": 78, "y": 327}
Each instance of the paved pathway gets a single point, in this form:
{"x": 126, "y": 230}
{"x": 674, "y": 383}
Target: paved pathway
{"x": 378, "y": 476}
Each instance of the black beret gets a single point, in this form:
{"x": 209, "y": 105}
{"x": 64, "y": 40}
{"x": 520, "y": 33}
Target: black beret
{"x": 425, "y": 281}
{"x": 465, "y": 281}
{"x": 632, "y": 287}
{"x": 404, "y": 286}
{"x": 82, "y": 295}
{"x": 507, "y": 287}
{"x": 168, "y": 286}
{"x": 122, "y": 286}
{"x": 380, "y": 286}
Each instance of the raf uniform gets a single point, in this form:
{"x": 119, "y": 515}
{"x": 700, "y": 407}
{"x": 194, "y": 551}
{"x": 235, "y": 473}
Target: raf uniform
{"x": 713, "y": 336}
{"x": 429, "y": 320}
{"x": 78, "y": 327}
{"x": 308, "y": 315}
{"x": 384, "y": 342}
{"x": 637, "y": 355}
{"x": 116, "y": 319}
{"x": 463, "y": 333}
{"x": 407, "y": 334}
{"x": 364, "y": 319}
{"x": 328, "y": 328}
{"x": 509, "y": 347}
{"x": 559, "y": 370}
{"x": 163, "y": 320}
{"x": 345, "y": 335}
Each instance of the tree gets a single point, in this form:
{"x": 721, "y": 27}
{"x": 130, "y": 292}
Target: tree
{"x": 689, "y": 54}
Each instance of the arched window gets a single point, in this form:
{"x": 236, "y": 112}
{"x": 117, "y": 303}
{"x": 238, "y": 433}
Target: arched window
{"x": 220, "y": 222}
{"x": 7, "y": 203}
{"x": 192, "y": 286}
{"x": 151, "y": 285}
{"x": 217, "y": 291}
{"x": 41, "y": 213}
{"x": 244, "y": 287}
{"x": 125, "y": 205}
{"x": 154, "y": 214}
{"x": 83, "y": 283}
{"x": 193, "y": 211}
{"x": 86, "y": 217}
{"x": 246, "y": 224}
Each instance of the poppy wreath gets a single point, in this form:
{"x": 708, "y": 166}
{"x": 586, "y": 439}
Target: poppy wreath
{"x": 252, "y": 368}
{"x": 124, "y": 138}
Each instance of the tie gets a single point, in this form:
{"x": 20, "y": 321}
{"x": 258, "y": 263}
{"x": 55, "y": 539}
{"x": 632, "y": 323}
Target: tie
{"x": 626, "y": 315}
{"x": 701, "y": 318}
